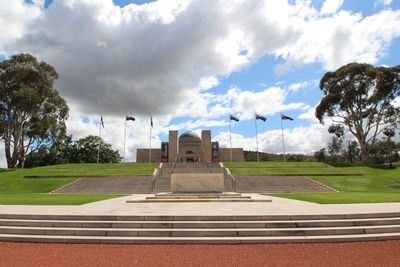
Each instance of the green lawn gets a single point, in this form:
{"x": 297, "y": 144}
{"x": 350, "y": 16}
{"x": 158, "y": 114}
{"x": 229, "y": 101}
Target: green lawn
{"x": 16, "y": 189}
{"x": 51, "y": 199}
{"x": 250, "y": 164}
{"x": 345, "y": 197}
{"x": 375, "y": 185}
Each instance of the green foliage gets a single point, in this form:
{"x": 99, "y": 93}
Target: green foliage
{"x": 344, "y": 197}
{"x": 31, "y": 110}
{"x": 360, "y": 97}
{"x": 280, "y": 164}
{"x": 252, "y": 156}
{"x": 385, "y": 151}
{"x": 320, "y": 155}
{"x": 335, "y": 146}
{"x": 83, "y": 150}
{"x": 87, "y": 147}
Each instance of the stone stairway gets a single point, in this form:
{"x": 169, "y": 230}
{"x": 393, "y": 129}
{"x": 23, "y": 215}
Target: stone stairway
{"x": 278, "y": 184}
{"x": 199, "y": 229}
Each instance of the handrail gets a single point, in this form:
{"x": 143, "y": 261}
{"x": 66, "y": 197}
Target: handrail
{"x": 227, "y": 173}
{"x": 156, "y": 175}
{"x": 174, "y": 164}
{"x": 209, "y": 165}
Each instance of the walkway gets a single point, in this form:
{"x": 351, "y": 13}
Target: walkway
{"x": 278, "y": 206}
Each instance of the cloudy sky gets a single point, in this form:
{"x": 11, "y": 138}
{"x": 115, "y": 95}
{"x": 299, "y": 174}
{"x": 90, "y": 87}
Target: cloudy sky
{"x": 189, "y": 63}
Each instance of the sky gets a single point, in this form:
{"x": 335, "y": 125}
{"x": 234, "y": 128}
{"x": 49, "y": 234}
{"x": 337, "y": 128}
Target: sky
{"x": 188, "y": 64}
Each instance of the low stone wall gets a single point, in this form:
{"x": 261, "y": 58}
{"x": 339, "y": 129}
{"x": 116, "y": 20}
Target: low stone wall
{"x": 143, "y": 155}
{"x": 197, "y": 182}
{"x": 225, "y": 154}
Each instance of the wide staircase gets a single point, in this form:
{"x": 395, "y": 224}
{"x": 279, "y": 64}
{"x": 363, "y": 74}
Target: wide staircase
{"x": 199, "y": 229}
{"x": 278, "y": 184}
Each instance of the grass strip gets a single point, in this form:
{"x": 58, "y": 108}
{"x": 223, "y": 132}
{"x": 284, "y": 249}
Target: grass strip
{"x": 51, "y": 199}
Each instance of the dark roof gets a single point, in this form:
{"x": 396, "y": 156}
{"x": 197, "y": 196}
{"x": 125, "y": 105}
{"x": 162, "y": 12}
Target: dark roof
{"x": 190, "y": 134}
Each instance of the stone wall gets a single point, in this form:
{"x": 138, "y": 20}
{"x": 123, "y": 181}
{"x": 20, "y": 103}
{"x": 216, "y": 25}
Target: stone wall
{"x": 173, "y": 145}
{"x": 206, "y": 145}
{"x": 225, "y": 154}
{"x": 143, "y": 155}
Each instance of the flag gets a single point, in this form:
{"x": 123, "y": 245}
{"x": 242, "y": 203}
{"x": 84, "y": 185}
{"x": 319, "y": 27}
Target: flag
{"x": 233, "y": 118}
{"x": 101, "y": 121}
{"x": 151, "y": 121}
{"x": 260, "y": 117}
{"x": 284, "y": 117}
{"x": 129, "y": 118}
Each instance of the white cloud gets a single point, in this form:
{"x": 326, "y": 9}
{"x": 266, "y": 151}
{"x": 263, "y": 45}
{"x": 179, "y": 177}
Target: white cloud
{"x": 296, "y": 87}
{"x": 304, "y": 140}
{"x": 268, "y": 102}
{"x": 208, "y": 82}
{"x": 309, "y": 114}
{"x": 331, "y": 6}
{"x": 384, "y": 2}
{"x": 137, "y": 135}
{"x": 245, "y": 103}
{"x": 342, "y": 38}
{"x": 147, "y": 58}
{"x": 14, "y": 18}
{"x": 162, "y": 58}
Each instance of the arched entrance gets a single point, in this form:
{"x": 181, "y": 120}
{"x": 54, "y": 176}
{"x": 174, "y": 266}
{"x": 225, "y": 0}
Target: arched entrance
{"x": 189, "y": 147}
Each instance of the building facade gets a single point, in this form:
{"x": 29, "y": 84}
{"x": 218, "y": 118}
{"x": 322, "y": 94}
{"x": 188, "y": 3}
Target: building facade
{"x": 189, "y": 147}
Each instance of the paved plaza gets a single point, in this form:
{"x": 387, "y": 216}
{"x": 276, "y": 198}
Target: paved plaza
{"x": 278, "y": 206}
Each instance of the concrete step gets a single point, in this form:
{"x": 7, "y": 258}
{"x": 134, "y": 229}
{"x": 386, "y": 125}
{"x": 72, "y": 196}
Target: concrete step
{"x": 194, "y": 240}
{"x": 198, "y": 224}
{"x": 298, "y": 217}
{"x": 196, "y": 200}
{"x": 202, "y": 232}
{"x": 199, "y": 229}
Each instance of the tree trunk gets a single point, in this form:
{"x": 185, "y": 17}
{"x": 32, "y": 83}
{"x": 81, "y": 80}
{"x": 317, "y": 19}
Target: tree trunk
{"x": 10, "y": 157}
{"x": 364, "y": 152}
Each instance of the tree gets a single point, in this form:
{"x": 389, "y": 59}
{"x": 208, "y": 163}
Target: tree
{"x": 353, "y": 150}
{"x": 320, "y": 155}
{"x": 360, "y": 97}
{"x": 87, "y": 151}
{"x": 335, "y": 147}
{"x": 32, "y": 112}
{"x": 57, "y": 153}
{"x": 83, "y": 150}
{"x": 385, "y": 150}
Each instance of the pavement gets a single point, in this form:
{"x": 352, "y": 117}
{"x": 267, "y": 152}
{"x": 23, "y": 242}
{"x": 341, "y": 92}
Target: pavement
{"x": 278, "y": 206}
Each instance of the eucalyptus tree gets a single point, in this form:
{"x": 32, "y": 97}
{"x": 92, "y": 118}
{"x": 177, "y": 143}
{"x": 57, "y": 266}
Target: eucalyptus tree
{"x": 32, "y": 112}
{"x": 360, "y": 97}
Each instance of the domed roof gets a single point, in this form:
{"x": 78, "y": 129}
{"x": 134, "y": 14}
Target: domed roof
{"x": 190, "y": 134}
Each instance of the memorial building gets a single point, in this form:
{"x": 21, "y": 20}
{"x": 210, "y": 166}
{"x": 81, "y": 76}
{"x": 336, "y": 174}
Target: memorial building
{"x": 189, "y": 147}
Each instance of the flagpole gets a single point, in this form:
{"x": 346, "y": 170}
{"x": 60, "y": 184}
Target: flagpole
{"x": 150, "y": 140}
{"x": 258, "y": 156}
{"x": 98, "y": 147}
{"x": 124, "y": 140}
{"x": 230, "y": 137}
{"x": 283, "y": 141}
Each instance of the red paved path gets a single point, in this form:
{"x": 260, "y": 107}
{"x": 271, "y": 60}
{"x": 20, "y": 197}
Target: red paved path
{"x": 348, "y": 254}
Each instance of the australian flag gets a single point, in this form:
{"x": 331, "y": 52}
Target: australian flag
{"x": 260, "y": 117}
{"x": 129, "y": 118}
{"x": 284, "y": 117}
{"x": 233, "y": 118}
